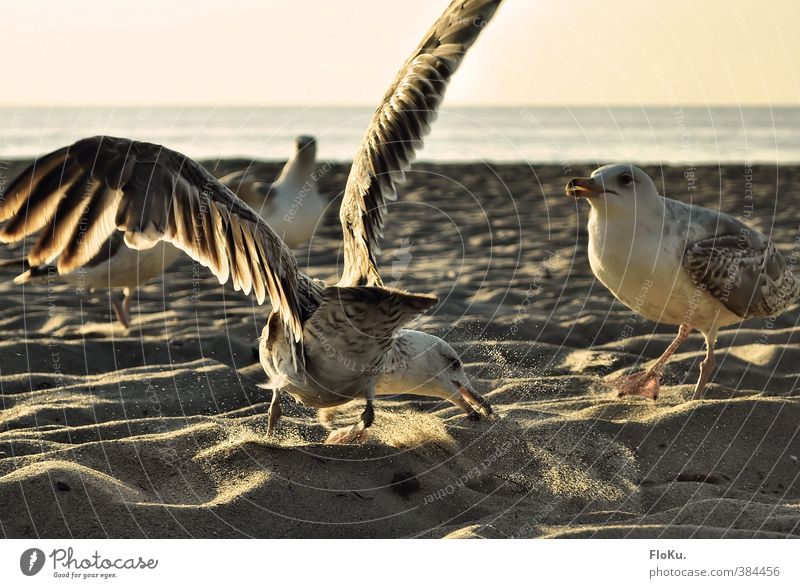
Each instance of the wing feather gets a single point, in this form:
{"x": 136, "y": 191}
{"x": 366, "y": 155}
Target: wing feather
{"x": 223, "y": 271}
{"x": 20, "y": 189}
{"x": 96, "y": 222}
{"x": 43, "y": 199}
{"x": 397, "y": 130}
{"x": 67, "y": 214}
{"x": 81, "y": 194}
{"x": 747, "y": 275}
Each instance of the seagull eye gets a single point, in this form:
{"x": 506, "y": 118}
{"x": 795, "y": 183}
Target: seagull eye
{"x": 626, "y": 179}
{"x": 455, "y": 363}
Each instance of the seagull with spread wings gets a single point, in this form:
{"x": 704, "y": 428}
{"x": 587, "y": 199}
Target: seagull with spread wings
{"x": 324, "y": 345}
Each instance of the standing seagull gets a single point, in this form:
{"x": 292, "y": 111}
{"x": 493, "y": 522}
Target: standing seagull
{"x": 324, "y": 345}
{"x": 678, "y": 264}
{"x": 291, "y": 205}
{"x": 115, "y": 266}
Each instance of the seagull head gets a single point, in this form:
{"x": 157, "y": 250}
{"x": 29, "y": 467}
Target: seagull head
{"x": 306, "y": 146}
{"x": 614, "y": 188}
{"x": 429, "y": 366}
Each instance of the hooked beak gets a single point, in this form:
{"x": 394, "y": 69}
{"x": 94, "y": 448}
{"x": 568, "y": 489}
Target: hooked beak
{"x": 585, "y": 188}
{"x": 477, "y": 403}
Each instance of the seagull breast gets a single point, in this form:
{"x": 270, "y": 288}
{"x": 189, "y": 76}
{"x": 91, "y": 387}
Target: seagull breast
{"x": 640, "y": 260}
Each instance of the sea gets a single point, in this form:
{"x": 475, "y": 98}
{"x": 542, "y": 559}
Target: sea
{"x": 669, "y": 135}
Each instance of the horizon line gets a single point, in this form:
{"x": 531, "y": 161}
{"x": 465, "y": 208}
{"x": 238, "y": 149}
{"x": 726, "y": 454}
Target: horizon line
{"x": 372, "y": 106}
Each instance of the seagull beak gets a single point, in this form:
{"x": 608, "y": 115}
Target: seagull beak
{"x": 583, "y": 188}
{"x": 474, "y": 400}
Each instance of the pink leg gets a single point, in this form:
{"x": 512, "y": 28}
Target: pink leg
{"x": 706, "y": 366}
{"x": 121, "y": 309}
{"x": 646, "y": 383}
{"x": 274, "y": 412}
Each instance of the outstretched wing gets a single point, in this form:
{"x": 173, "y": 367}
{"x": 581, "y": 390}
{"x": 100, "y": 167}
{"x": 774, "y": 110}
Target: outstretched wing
{"x": 748, "y": 275}
{"x": 396, "y": 132}
{"x": 105, "y": 253}
{"x": 79, "y": 195}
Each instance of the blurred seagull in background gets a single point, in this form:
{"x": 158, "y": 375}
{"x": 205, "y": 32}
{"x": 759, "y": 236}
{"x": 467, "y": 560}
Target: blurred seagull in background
{"x": 291, "y": 205}
{"x": 678, "y": 264}
{"x": 324, "y": 345}
{"x": 115, "y": 266}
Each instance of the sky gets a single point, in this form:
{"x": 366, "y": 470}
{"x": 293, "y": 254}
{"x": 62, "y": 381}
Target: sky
{"x": 337, "y": 52}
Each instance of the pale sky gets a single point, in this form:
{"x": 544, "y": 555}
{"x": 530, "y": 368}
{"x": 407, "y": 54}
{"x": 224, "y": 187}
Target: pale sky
{"x": 331, "y": 52}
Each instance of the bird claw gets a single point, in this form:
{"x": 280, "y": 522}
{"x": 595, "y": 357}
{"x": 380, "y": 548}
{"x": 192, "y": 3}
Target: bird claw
{"x": 644, "y": 384}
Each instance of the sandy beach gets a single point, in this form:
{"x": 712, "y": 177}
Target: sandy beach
{"x": 161, "y": 431}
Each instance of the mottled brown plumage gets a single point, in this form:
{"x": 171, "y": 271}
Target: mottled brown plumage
{"x": 744, "y": 272}
{"x": 396, "y": 131}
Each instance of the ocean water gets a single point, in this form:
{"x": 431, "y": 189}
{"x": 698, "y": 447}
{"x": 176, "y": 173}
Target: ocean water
{"x": 668, "y": 135}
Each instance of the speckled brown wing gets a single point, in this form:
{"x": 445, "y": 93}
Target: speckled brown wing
{"x": 745, "y": 272}
{"x": 79, "y": 195}
{"x": 396, "y": 131}
{"x": 357, "y": 323}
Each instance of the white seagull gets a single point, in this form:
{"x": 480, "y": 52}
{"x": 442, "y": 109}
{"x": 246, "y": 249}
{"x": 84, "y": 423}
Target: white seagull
{"x": 324, "y": 345}
{"x": 291, "y": 205}
{"x": 678, "y": 264}
{"x": 115, "y": 266}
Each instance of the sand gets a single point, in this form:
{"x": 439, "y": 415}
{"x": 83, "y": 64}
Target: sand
{"x": 160, "y": 431}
